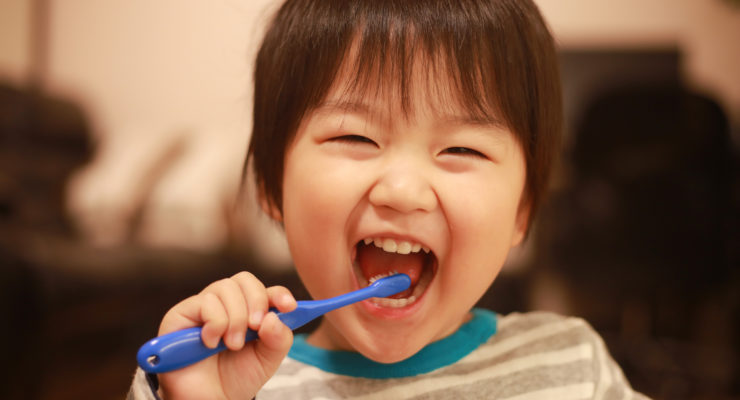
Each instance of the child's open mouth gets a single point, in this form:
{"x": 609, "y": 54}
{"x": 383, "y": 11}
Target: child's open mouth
{"x": 380, "y": 257}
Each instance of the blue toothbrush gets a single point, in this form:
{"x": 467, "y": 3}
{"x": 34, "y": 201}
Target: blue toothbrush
{"x": 184, "y": 347}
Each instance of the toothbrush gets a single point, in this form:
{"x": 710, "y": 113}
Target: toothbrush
{"x": 181, "y": 348}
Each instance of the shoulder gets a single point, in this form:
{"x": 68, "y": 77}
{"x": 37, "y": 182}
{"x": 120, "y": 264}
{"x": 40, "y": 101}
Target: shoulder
{"x": 143, "y": 387}
{"x": 542, "y": 333}
{"x": 544, "y": 324}
{"x": 555, "y": 353}
{"x": 546, "y": 338}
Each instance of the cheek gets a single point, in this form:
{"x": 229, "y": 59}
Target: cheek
{"x": 481, "y": 240}
{"x": 482, "y": 220}
{"x": 481, "y": 207}
{"x": 305, "y": 186}
{"x": 318, "y": 200}
{"x": 319, "y": 195}
{"x": 309, "y": 219}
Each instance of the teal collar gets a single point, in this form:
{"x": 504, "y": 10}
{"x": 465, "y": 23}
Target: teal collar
{"x": 435, "y": 355}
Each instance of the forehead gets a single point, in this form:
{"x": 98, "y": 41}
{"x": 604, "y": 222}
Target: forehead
{"x": 422, "y": 82}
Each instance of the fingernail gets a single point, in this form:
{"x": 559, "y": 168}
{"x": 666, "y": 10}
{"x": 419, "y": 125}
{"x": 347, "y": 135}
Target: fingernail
{"x": 237, "y": 338}
{"x": 256, "y": 317}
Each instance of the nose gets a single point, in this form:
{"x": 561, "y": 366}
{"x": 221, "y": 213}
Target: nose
{"x": 403, "y": 186}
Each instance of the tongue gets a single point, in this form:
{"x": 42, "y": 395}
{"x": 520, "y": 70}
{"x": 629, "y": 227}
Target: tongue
{"x": 374, "y": 261}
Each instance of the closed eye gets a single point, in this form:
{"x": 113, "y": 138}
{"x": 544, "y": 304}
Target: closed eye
{"x": 464, "y": 151}
{"x": 353, "y": 139}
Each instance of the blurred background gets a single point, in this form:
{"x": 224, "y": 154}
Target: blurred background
{"x": 123, "y": 127}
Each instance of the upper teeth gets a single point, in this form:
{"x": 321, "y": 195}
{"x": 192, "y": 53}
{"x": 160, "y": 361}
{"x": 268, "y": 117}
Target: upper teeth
{"x": 393, "y": 246}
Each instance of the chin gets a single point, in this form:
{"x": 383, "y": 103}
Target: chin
{"x": 388, "y": 349}
{"x": 389, "y": 356}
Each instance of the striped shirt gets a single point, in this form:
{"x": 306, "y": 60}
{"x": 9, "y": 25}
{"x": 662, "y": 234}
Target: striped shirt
{"x": 531, "y": 356}
{"x": 527, "y": 356}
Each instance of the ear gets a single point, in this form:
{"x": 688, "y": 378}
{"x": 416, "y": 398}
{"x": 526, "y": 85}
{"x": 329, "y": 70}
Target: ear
{"x": 521, "y": 224}
{"x": 270, "y": 208}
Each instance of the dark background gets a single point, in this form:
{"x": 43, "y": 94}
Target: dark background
{"x": 640, "y": 237}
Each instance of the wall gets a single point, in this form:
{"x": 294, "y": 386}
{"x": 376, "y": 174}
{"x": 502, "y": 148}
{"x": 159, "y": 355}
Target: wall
{"x": 705, "y": 31}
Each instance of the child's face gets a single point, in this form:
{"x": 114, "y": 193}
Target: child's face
{"x": 360, "y": 169}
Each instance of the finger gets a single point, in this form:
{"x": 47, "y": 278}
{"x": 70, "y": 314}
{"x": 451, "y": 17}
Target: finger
{"x": 185, "y": 314}
{"x": 255, "y": 295}
{"x": 281, "y": 298}
{"x": 274, "y": 344}
{"x": 230, "y": 295}
{"x": 215, "y": 319}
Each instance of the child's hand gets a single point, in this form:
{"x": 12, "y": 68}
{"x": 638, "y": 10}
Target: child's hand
{"x": 225, "y": 309}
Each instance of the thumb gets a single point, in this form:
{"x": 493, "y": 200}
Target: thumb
{"x": 274, "y": 343}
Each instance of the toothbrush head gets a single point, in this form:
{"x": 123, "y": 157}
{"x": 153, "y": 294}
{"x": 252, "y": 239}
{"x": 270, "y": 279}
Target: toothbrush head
{"x": 390, "y": 285}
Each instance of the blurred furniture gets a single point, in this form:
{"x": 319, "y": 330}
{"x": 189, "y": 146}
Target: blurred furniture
{"x": 643, "y": 229}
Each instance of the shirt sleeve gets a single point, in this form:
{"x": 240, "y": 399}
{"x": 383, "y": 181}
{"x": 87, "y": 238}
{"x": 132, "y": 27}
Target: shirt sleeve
{"x": 144, "y": 386}
{"x": 611, "y": 383}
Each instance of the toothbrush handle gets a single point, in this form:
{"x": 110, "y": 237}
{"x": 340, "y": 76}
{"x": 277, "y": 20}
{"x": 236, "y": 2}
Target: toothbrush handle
{"x": 179, "y": 349}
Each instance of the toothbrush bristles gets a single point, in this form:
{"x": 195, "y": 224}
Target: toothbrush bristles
{"x": 381, "y": 276}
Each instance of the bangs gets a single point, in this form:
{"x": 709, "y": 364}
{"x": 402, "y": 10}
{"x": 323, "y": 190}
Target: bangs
{"x": 392, "y": 57}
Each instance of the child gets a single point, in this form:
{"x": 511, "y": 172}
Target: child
{"x": 409, "y": 136}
